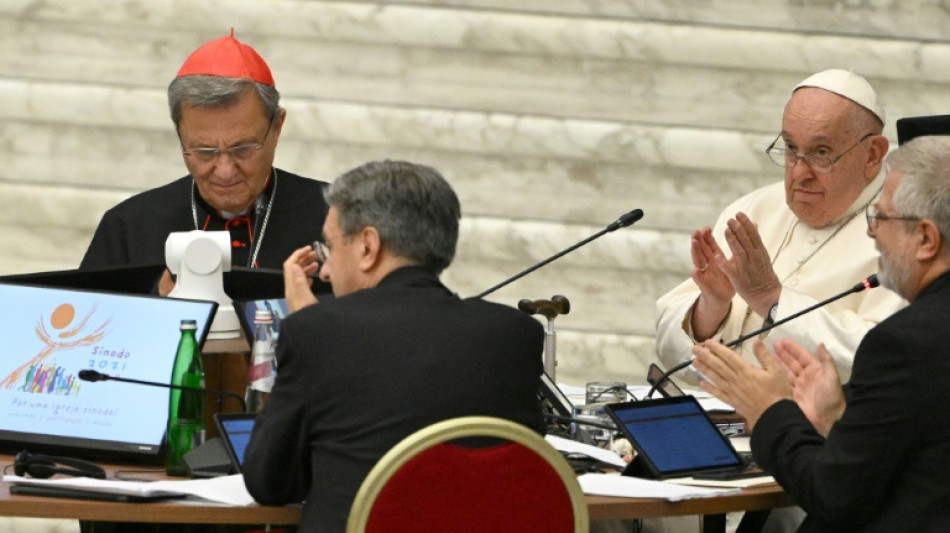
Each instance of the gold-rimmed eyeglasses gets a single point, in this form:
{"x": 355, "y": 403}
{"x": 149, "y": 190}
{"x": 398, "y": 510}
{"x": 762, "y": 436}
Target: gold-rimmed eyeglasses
{"x": 874, "y": 216}
{"x": 819, "y": 160}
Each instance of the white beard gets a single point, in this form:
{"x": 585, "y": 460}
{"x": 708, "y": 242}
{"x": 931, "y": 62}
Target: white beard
{"x": 893, "y": 271}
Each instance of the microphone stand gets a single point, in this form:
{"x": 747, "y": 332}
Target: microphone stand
{"x": 92, "y": 375}
{"x": 622, "y": 222}
{"x": 869, "y": 283}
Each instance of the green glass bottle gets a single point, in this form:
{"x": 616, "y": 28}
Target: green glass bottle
{"x": 186, "y": 409}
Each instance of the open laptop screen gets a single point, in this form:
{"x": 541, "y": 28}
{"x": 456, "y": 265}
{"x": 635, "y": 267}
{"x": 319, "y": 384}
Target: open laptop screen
{"x": 246, "y": 311}
{"x": 674, "y": 437}
{"x": 50, "y": 334}
{"x": 235, "y": 430}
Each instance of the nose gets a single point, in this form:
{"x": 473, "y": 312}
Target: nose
{"x": 225, "y": 165}
{"x": 324, "y": 272}
{"x": 800, "y": 163}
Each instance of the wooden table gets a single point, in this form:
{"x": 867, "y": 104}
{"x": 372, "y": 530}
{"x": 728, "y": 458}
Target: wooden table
{"x": 192, "y": 512}
{"x": 168, "y": 511}
{"x": 751, "y": 499}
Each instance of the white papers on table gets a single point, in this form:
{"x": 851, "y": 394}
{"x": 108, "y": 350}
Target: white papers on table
{"x": 572, "y": 446}
{"x": 741, "y": 443}
{"x": 740, "y": 483}
{"x": 224, "y": 489}
{"x": 634, "y": 487}
{"x": 715, "y": 405}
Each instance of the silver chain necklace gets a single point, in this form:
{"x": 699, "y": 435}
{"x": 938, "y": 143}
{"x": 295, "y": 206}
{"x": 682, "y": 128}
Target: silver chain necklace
{"x": 260, "y": 236}
{"x": 801, "y": 262}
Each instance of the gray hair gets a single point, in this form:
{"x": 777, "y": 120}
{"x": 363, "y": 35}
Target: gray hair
{"x": 924, "y": 189}
{"x": 413, "y": 208}
{"x": 216, "y": 91}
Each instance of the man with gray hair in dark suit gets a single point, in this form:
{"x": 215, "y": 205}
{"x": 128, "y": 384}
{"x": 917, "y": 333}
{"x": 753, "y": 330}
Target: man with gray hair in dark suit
{"x": 393, "y": 352}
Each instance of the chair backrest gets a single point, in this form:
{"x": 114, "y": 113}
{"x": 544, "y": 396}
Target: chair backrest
{"x": 427, "y": 483}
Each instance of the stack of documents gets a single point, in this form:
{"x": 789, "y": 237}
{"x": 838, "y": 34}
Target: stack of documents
{"x": 225, "y": 489}
{"x": 634, "y": 487}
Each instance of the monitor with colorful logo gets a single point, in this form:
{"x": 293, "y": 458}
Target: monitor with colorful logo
{"x": 50, "y": 334}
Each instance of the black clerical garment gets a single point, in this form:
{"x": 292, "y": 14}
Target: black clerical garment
{"x": 359, "y": 373}
{"x": 885, "y": 465}
{"x": 134, "y": 231}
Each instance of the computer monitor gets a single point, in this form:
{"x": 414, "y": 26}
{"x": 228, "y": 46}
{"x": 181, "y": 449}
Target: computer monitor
{"x": 50, "y": 334}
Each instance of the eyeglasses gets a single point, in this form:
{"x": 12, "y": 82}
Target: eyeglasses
{"x": 241, "y": 152}
{"x": 323, "y": 252}
{"x": 819, "y": 160}
{"x": 874, "y": 216}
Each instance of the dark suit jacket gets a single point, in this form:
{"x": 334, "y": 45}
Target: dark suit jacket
{"x": 358, "y": 374}
{"x": 886, "y": 464}
{"x": 134, "y": 231}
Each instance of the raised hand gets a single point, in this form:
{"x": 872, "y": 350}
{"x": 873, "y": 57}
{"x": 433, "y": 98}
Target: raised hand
{"x": 732, "y": 379}
{"x": 816, "y": 387}
{"x": 716, "y": 291}
{"x": 298, "y": 268}
{"x": 750, "y": 268}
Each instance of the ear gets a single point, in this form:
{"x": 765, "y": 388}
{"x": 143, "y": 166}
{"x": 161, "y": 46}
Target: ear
{"x": 279, "y": 122}
{"x": 370, "y": 250}
{"x": 876, "y": 153}
{"x": 930, "y": 242}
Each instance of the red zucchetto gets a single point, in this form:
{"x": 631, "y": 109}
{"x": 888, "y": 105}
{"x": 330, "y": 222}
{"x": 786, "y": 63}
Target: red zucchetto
{"x": 229, "y": 58}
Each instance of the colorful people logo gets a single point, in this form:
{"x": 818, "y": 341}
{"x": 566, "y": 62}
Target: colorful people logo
{"x": 42, "y": 376}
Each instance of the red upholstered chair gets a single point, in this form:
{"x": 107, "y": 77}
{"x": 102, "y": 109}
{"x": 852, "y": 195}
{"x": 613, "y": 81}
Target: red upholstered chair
{"x": 428, "y": 484}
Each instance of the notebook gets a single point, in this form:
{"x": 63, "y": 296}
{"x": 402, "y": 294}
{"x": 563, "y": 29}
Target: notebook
{"x": 51, "y": 334}
{"x": 674, "y": 437}
{"x": 235, "y": 430}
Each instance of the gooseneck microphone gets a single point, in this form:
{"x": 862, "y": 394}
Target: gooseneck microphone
{"x": 868, "y": 283}
{"x": 622, "y": 222}
{"x": 92, "y": 375}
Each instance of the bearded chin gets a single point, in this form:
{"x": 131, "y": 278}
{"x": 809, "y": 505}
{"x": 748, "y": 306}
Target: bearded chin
{"x": 892, "y": 274}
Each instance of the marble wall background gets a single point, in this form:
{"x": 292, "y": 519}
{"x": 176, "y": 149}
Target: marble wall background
{"x": 551, "y": 118}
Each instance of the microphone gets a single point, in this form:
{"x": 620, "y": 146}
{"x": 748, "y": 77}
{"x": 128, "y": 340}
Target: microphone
{"x": 92, "y": 375}
{"x": 622, "y": 222}
{"x": 868, "y": 283}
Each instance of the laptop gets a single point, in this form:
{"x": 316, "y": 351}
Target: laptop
{"x": 235, "y": 429}
{"x": 50, "y": 335}
{"x": 247, "y": 309}
{"x": 674, "y": 437}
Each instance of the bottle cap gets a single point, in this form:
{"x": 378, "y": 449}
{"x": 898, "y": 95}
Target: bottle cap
{"x": 263, "y": 315}
{"x": 189, "y": 324}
